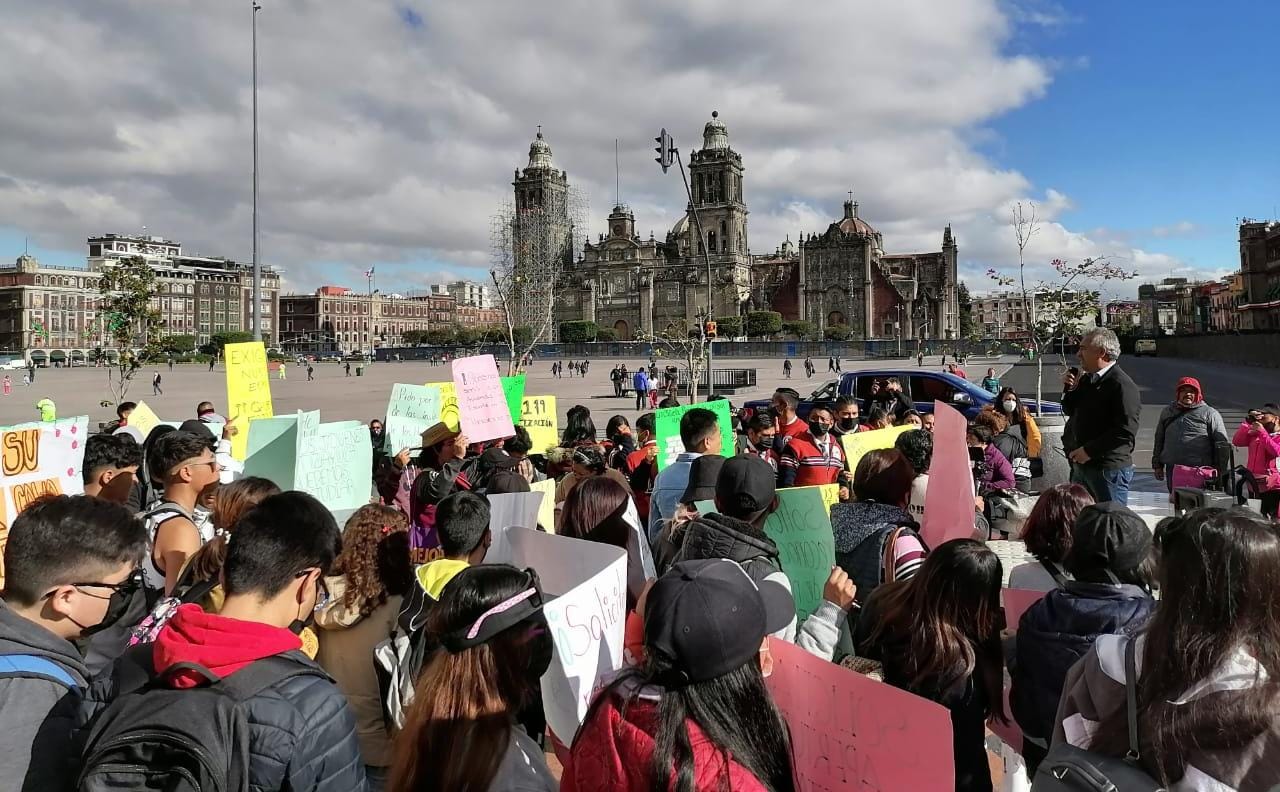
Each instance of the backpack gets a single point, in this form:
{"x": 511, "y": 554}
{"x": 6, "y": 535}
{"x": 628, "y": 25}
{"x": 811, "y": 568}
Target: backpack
{"x": 1071, "y": 769}
{"x": 153, "y": 737}
{"x": 871, "y": 562}
{"x": 400, "y": 658}
{"x": 37, "y": 667}
{"x": 146, "y": 630}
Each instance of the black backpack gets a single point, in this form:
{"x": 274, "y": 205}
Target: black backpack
{"x": 153, "y": 737}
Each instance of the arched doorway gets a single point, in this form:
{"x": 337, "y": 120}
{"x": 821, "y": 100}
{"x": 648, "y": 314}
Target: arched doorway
{"x": 835, "y": 318}
{"x": 78, "y": 357}
{"x": 622, "y": 330}
{"x": 39, "y": 357}
{"x": 58, "y": 356}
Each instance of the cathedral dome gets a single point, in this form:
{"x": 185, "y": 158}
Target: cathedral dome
{"x": 540, "y": 152}
{"x": 852, "y": 224}
{"x": 714, "y": 134}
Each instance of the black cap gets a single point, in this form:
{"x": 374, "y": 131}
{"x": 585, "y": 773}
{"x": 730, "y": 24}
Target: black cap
{"x": 707, "y": 617}
{"x": 747, "y": 485}
{"x": 198, "y": 428}
{"x": 702, "y": 478}
{"x": 1108, "y": 536}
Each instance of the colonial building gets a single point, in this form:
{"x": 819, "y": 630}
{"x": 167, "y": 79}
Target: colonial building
{"x": 642, "y": 287}
{"x": 49, "y": 314}
{"x": 1260, "y": 272}
{"x": 338, "y": 320}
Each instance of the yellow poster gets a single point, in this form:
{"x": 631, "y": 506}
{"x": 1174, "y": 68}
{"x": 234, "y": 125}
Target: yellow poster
{"x": 448, "y": 404}
{"x": 859, "y": 443}
{"x": 547, "y": 511}
{"x": 538, "y": 415}
{"x": 144, "y": 419}
{"x": 248, "y": 390}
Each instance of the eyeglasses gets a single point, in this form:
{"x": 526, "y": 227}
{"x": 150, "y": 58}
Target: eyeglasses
{"x": 126, "y": 586}
{"x": 322, "y": 589}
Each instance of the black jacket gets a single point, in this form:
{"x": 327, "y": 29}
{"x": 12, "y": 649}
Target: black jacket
{"x": 721, "y": 536}
{"x": 1057, "y": 631}
{"x": 1103, "y": 418}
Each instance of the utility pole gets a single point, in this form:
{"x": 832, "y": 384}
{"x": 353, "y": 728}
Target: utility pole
{"x": 257, "y": 267}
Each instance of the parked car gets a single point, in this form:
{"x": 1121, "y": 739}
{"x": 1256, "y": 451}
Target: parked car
{"x": 1144, "y": 346}
{"x": 922, "y": 387}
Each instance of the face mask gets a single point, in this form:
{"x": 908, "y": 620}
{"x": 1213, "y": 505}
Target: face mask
{"x": 818, "y": 430}
{"x": 117, "y": 606}
{"x": 1010, "y": 405}
{"x": 541, "y": 648}
{"x": 848, "y": 424}
{"x": 764, "y": 444}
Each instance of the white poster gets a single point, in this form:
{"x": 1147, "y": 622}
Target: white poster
{"x": 511, "y": 510}
{"x": 38, "y": 459}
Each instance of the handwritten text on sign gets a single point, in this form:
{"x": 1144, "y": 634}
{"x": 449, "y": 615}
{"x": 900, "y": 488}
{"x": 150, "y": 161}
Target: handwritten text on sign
{"x": 483, "y": 414}
{"x": 38, "y": 459}
{"x": 411, "y": 410}
{"x": 248, "y": 390}
{"x": 335, "y": 462}
{"x": 801, "y": 527}
{"x": 538, "y": 416}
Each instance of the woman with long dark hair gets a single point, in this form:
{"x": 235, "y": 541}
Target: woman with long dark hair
{"x": 230, "y": 503}
{"x": 461, "y": 734}
{"x": 600, "y": 510}
{"x": 1047, "y": 535}
{"x": 695, "y": 715}
{"x": 579, "y": 429}
{"x": 1015, "y": 412}
{"x": 1208, "y": 687}
{"x": 938, "y": 636}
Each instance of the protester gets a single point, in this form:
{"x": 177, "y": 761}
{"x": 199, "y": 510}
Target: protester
{"x": 1190, "y": 433}
{"x": 916, "y": 445}
{"x": 70, "y": 569}
{"x": 876, "y": 540}
{"x": 150, "y": 489}
{"x": 189, "y": 471}
{"x": 301, "y": 733}
{"x": 784, "y": 403}
{"x": 927, "y": 422}
{"x": 892, "y": 399}
{"x": 677, "y": 721}
{"x": 440, "y": 469}
{"x": 745, "y": 496}
{"x": 600, "y": 510}
{"x": 206, "y": 412}
{"x": 813, "y": 457}
{"x": 938, "y": 636}
{"x": 587, "y": 462}
{"x": 1109, "y": 562}
{"x": 700, "y": 434}
{"x": 48, "y": 410}
{"x": 110, "y": 467}
{"x": 230, "y": 503}
{"x": 761, "y": 437}
{"x": 1047, "y": 536}
{"x": 910, "y": 418}
{"x": 846, "y": 414}
{"x": 1012, "y": 408}
{"x": 461, "y": 732}
{"x": 878, "y": 417}
{"x": 641, "y": 465}
{"x": 123, "y": 411}
{"x": 991, "y": 383}
{"x": 370, "y": 577}
{"x": 1007, "y": 441}
{"x": 518, "y": 447}
{"x": 1206, "y": 662}
{"x": 579, "y": 429}
{"x": 621, "y": 441}
{"x": 992, "y": 470}
{"x": 1260, "y": 433}
{"x": 1103, "y": 407}
{"x": 229, "y": 468}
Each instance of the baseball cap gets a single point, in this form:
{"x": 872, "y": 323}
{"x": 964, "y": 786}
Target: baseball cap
{"x": 1108, "y": 536}
{"x": 746, "y": 485}
{"x": 708, "y": 617}
{"x": 703, "y": 474}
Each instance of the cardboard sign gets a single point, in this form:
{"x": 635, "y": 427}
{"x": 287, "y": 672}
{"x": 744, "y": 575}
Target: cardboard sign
{"x": 144, "y": 419}
{"x": 857, "y": 444}
{"x": 448, "y": 404}
{"x": 486, "y": 415}
{"x": 513, "y": 392}
{"x": 411, "y": 410}
{"x": 538, "y": 415}
{"x": 849, "y": 732}
{"x": 801, "y": 527}
{"x": 512, "y": 510}
{"x": 334, "y": 461}
{"x": 1016, "y": 602}
{"x": 248, "y": 389}
{"x": 667, "y": 428}
{"x": 38, "y": 459}
{"x": 273, "y": 449}
{"x": 948, "y": 502}
{"x": 584, "y": 587}
{"x": 547, "y": 510}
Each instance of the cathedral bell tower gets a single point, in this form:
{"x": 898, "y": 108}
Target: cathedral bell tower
{"x": 715, "y": 174}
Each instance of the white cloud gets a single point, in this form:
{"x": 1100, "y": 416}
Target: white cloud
{"x": 389, "y": 131}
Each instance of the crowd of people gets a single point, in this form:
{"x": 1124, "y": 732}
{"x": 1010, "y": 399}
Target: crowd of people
{"x": 181, "y": 622}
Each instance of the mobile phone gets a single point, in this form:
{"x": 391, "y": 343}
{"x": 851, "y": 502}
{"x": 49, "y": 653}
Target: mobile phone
{"x": 1074, "y": 371}
{"x": 976, "y": 454}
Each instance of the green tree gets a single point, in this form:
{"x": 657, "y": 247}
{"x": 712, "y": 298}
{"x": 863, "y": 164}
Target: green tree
{"x": 578, "y": 332}
{"x": 837, "y": 332}
{"x": 438, "y": 336}
{"x": 218, "y": 341}
{"x": 801, "y": 329}
{"x": 968, "y": 325}
{"x": 761, "y": 324}
{"x": 178, "y": 344}
{"x": 131, "y": 323}
{"x": 606, "y": 334}
{"x": 728, "y": 326}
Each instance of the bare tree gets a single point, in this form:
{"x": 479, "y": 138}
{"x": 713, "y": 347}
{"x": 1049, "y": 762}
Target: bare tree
{"x": 687, "y": 345}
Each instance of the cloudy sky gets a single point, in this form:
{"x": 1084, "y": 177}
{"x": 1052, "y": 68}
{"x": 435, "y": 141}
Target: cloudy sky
{"x": 390, "y": 130}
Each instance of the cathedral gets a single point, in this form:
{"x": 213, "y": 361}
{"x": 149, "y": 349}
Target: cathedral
{"x": 842, "y": 278}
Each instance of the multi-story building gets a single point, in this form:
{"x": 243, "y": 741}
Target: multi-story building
{"x": 1260, "y": 271}
{"x": 469, "y": 293}
{"x": 1007, "y": 315}
{"x": 49, "y": 314}
{"x": 338, "y": 320}
{"x": 1004, "y": 315}
{"x": 195, "y": 295}
{"x": 1160, "y": 305}
{"x": 473, "y": 316}
{"x": 1123, "y": 315}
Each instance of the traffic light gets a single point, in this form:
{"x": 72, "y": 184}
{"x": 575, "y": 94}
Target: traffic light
{"x": 711, "y": 329}
{"x": 665, "y": 149}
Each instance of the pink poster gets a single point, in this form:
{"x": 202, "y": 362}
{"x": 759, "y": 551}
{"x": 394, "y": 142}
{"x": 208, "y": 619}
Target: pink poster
{"x": 948, "y": 502}
{"x": 484, "y": 414}
{"x": 1016, "y": 603}
{"x": 849, "y": 732}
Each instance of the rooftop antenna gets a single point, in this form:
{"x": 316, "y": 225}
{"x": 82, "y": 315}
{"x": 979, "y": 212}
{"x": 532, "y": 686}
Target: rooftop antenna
{"x": 617, "y": 172}
{"x": 25, "y": 240}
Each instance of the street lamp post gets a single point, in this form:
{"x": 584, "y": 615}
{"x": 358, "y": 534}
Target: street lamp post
{"x": 257, "y": 268}
{"x": 897, "y": 326}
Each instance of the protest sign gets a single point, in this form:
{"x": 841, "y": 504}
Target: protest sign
{"x": 667, "y": 428}
{"x": 411, "y": 410}
{"x": 547, "y": 510}
{"x": 849, "y": 732}
{"x": 273, "y": 449}
{"x": 538, "y": 415}
{"x": 512, "y": 510}
{"x": 486, "y": 415}
{"x": 801, "y": 527}
{"x": 248, "y": 389}
{"x": 948, "y": 501}
{"x": 334, "y": 461}
{"x": 513, "y": 392}
{"x": 144, "y": 419}
{"x": 1016, "y": 602}
{"x": 857, "y": 444}
{"x": 448, "y": 404}
{"x": 584, "y": 587}
{"x": 38, "y": 459}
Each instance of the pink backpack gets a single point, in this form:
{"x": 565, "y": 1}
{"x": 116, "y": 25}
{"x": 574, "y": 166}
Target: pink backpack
{"x": 1192, "y": 477}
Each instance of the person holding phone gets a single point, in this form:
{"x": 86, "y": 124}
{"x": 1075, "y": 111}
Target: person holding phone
{"x": 1103, "y": 408}
{"x": 1260, "y": 433}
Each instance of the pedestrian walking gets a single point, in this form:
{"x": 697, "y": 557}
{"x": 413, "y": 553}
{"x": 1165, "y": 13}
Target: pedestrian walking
{"x": 991, "y": 383}
{"x": 214, "y": 359}
{"x": 831, "y": 364}
{"x": 809, "y": 367}
{"x": 1191, "y": 434}
{"x": 348, "y": 367}
{"x": 26, "y": 379}
{"x": 8, "y": 385}
{"x": 615, "y": 376}
{"x": 155, "y": 384}
{"x": 311, "y": 372}
{"x": 282, "y": 371}
{"x": 171, "y": 362}
{"x": 641, "y": 383}
{"x": 31, "y": 372}
{"x": 1103, "y": 407}
{"x": 786, "y": 368}
{"x": 920, "y": 359}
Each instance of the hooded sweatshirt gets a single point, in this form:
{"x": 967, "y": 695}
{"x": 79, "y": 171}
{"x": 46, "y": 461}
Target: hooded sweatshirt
{"x": 220, "y": 644}
{"x": 33, "y": 707}
{"x": 1193, "y": 436}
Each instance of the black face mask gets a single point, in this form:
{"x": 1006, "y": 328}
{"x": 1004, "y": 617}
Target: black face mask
{"x": 848, "y": 424}
{"x": 763, "y": 444}
{"x": 540, "y": 650}
{"x": 818, "y": 430}
{"x": 117, "y": 607}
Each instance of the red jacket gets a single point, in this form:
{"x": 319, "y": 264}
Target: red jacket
{"x": 612, "y": 754}
{"x": 804, "y": 464}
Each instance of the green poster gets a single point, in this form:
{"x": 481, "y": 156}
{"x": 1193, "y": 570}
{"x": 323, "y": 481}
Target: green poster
{"x": 513, "y": 390}
{"x": 801, "y": 527}
{"x": 272, "y": 449}
{"x": 667, "y": 426}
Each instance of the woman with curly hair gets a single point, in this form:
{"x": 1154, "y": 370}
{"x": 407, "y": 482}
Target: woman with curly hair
{"x": 372, "y": 575}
